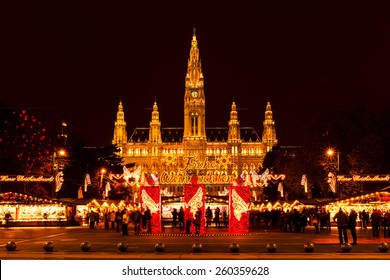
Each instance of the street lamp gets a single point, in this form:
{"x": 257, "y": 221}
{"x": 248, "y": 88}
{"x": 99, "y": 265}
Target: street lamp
{"x": 330, "y": 154}
{"x": 334, "y": 165}
{"x": 102, "y": 172}
{"x": 56, "y": 167}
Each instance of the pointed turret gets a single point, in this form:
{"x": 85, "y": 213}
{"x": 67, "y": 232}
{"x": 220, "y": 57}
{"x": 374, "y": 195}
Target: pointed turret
{"x": 155, "y": 126}
{"x": 234, "y": 126}
{"x": 194, "y": 98}
{"x": 120, "y": 134}
{"x": 269, "y": 134}
{"x": 194, "y": 77}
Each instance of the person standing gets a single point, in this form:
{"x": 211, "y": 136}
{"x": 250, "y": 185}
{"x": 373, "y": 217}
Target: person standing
{"x": 125, "y": 223}
{"x": 137, "y": 217}
{"x": 92, "y": 219}
{"x": 386, "y": 224}
{"x": 209, "y": 216}
{"x": 118, "y": 220}
{"x": 175, "y": 214}
{"x": 342, "y": 221}
{"x": 224, "y": 218}
{"x": 216, "y": 217}
{"x": 112, "y": 219}
{"x": 148, "y": 219}
{"x": 198, "y": 220}
{"x": 352, "y": 225}
{"x": 375, "y": 223}
{"x": 7, "y": 217}
{"x": 106, "y": 218}
{"x": 180, "y": 218}
{"x": 188, "y": 218}
{"x": 315, "y": 221}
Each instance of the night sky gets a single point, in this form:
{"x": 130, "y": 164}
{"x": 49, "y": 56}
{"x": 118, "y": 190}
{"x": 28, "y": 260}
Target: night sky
{"x": 74, "y": 62}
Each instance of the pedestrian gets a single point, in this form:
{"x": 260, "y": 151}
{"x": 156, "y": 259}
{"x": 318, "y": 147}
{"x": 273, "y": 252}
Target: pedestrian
{"x": 386, "y": 224}
{"x": 198, "y": 220}
{"x": 112, "y": 219}
{"x": 137, "y": 217}
{"x": 118, "y": 220}
{"x": 148, "y": 219}
{"x": 97, "y": 217}
{"x": 92, "y": 219}
{"x": 188, "y": 219}
{"x": 216, "y": 217}
{"x": 224, "y": 218}
{"x": 125, "y": 223}
{"x": 209, "y": 216}
{"x": 282, "y": 221}
{"x": 303, "y": 220}
{"x": 180, "y": 218}
{"x": 315, "y": 222}
{"x": 106, "y": 218}
{"x": 7, "y": 217}
{"x": 342, "y": 221}
{"x": 288, "y": 221}
{"x": 175, "y": 215}
{"x": 375, "y": 223}
{"x": 352, "y": 225}
{"x": 366, "y": 218}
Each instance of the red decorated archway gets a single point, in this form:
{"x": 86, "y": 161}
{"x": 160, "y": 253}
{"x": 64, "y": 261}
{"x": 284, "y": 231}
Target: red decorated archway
{"x": 194, "y": 197}
{"x": 150, "y": 197}
{"x": 239, "y": 200}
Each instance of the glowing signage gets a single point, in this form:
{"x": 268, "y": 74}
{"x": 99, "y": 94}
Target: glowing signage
{"x": 22, "y": 178}
{"x": 364, "y": 178}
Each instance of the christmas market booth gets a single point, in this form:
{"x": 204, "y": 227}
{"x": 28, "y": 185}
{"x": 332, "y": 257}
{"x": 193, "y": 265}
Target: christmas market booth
{"x": 368, "y": 202}
{"x": 20, "y": 210}
{"x": 84, "y": 206}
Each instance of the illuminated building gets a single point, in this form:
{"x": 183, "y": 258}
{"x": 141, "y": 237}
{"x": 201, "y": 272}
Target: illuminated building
{"x": 218, "y": 155}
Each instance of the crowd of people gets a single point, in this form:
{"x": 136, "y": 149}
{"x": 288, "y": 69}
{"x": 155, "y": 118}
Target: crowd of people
{"x": 120, "y": 220}
{"x": 284, "y": 220}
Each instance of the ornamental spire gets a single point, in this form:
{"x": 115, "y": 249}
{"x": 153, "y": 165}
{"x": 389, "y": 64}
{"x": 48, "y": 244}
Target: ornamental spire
{"x": 194, "y": 77}
{"x": 120, "y": 134}
{"x": 269, "y": 133}
{"x": 234, "y": 125}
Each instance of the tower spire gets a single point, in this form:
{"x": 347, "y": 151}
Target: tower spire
{"x": 120, "y": 134}
{"x": 269, "y": 132}
{"x": 234, "y": 126}
{"x": 155, "y": 129}
{"x": 194, "y": 100}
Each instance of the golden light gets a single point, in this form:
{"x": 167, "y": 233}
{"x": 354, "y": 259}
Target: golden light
{"x": 103, "y": 170}
{"x": 62, "y": 152}
{"x": 329, "y": 152}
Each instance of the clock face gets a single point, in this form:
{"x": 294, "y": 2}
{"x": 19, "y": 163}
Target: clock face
{"x": 194, "y": 94}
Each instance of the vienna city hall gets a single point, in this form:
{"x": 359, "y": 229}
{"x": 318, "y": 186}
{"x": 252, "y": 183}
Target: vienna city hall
{"x": 218, "y": 156}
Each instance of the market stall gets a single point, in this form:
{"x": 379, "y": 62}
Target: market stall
{"x": 368, "y": 202}
{"x": 26, "y": 210}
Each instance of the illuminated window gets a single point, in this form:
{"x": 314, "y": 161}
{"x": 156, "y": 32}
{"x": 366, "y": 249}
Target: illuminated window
{"x": 194, "y": 124}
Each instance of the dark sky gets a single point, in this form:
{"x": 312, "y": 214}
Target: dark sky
{"x": 74, "y": 62}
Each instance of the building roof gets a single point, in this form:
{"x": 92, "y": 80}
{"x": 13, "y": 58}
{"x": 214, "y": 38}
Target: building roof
{"x": 175, "y": 134}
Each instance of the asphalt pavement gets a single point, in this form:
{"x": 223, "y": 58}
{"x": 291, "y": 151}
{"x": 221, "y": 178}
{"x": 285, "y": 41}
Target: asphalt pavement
{"x": 215, "y": 244}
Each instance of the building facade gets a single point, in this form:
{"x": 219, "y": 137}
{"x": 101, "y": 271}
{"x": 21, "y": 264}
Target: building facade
{"x": 217, "y": 155}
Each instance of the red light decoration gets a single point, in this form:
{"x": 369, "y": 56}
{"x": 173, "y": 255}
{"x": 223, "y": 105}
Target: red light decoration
{"x": 239, "y": 199}
{"x": 150, "y": 197}
{"x": 194, "y": 196}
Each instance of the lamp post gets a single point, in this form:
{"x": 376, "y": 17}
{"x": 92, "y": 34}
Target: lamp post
{"x": 102, "y": 172}
{"x": 330, "y": 154}
{"x": 333, "y": 167}
{"x": 56, "y": 167}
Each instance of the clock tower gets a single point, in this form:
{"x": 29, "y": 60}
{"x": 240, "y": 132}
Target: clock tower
{"x": 194, "y": 138}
